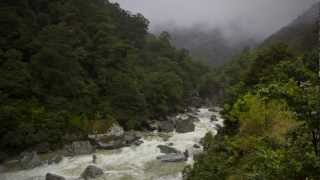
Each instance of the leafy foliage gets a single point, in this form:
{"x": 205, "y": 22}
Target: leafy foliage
{"x": 76, "y": 67}
{"x": 271, "y": 119}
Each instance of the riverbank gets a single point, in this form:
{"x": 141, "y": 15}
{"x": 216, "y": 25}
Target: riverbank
{"x": 136, "y": 162}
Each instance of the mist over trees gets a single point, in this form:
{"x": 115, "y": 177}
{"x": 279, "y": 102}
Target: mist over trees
{"x": 214, "y": 47}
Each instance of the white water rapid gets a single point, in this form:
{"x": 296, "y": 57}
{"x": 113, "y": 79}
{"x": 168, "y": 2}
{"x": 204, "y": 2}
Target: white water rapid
{"x": 131, "y": 163}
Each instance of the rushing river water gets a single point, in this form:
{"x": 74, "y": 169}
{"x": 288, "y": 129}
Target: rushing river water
{"x": 135, "y": 162}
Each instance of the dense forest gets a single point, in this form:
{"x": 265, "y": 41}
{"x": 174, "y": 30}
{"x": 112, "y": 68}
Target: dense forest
{"x": 272, "y": 111}
{"x": 69, "y": 68}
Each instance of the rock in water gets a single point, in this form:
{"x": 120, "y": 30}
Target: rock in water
{"x": 116, "y": 131}
{"x": 138, "y": 142}
{"x": 166, "y": 126}
{"x": 196, "y": 146}
{"x": 79, "y": 148}
{"x": 30, "y": 160}
{"x": 173, "y": 157}
{"x": 113, "y": 144}
{"x": 186, "y": 154}
{"x": 94, "y": 159}
{"x": 130, "y": 137}
{"x": 91, "y": 172}
{"x": 167, "y": 149}
{"x": 185, "y": 126}
{"x": 213, "y": 118}
{"x": 50, "y": 176}
{"x": 55, "y": 159}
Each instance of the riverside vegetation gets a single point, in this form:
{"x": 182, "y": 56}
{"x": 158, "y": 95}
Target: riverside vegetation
{"x": 271, "y": 111}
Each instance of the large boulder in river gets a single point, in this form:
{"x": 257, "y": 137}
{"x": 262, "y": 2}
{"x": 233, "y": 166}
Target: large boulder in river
{"x": 91, "y": 172}
{"x": 167, "y": 150}
{"x": 173, "y": 157}
{"x": 166, "y": 126}
{"x": 111, "y": 144}
{"x": 78, "y": 148}
{"x": 50, "y": 176}
{"x": 131, "y": 137}
{"x": 185, "y": 126}
{"x": 115, "y": 131}
{"x": 30, "y": 160}
{"x": 104, "y": 141}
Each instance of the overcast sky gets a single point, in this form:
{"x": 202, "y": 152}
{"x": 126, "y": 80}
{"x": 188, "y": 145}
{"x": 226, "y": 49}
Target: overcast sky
{"x": 261, "y": 17}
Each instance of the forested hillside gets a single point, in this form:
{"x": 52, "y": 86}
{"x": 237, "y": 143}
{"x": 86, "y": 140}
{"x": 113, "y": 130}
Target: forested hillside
{"x": 302, "y": 33}
{"x": 272, "y": 112}
{"x": 68, "y": 68}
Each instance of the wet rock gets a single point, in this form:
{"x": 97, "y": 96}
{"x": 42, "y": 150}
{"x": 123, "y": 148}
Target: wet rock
{"x": 215, "y": 109}
{"x": 50, "y": 176}
{"x": 193, "y": 110}
{"x": 113, "y": 144}
{"x": 212, "y": 110}
{"x": 196, "y": 146}
{"x": 94, "y": 159}
{"x": 166, "y": 126}
{"x": 213, "y": 118}
{"x": 91, "y": 172}
{"x": 167, "y": 150}
{"x": 116, "y": 131}
{"x": 42, "y": 148}
{"x": 193, "y": 116}
{"x": 185, "y": 126}
{"x": 78, "y": 148}
{"x": 130, "y": 137}
{"x": 186, "y": 154}
{"x": 218, "y": 127}
{"x": 30, "y": 160}
{"x": 173, "y": 157}
{"x": 170, "y": 144}
{"x": 172, "y": 119}
{"x": 55, "y": 159}
{"x": 152, "y": 125}
{"x": 138, "y": 142}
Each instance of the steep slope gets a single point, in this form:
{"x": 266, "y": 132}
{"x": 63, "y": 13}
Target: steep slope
{"x": 271, "y": 111}
{"x": 77, "y": 66}
{"x": 302, "y": 33}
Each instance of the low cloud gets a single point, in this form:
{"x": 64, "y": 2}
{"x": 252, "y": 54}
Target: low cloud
{"x": 257, "y": 17}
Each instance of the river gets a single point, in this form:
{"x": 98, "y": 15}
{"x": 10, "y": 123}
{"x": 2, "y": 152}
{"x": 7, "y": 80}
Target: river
{"x": 135, "y": 162}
